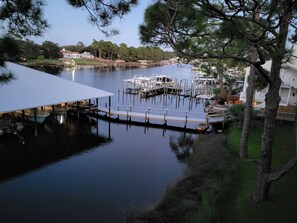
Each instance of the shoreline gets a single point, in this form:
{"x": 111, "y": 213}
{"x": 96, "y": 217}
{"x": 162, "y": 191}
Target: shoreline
{"x": 197, "y": 194}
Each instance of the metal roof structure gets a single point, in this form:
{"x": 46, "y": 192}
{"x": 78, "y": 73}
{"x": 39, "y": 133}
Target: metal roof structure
{"x": 31, "y": 89}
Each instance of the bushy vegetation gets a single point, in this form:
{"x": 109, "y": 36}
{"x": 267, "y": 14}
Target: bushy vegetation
{"x": 24, "y": 50}
{"x": 217, "y": 186}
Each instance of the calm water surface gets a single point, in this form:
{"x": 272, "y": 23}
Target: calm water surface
{"x": 112, "y": 81}
{"x": 89, "y": 172}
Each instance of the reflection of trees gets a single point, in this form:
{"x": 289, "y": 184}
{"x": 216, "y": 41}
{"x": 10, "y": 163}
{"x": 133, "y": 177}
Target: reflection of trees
{"x": 181, "y": 145}
{"x": 53, "y": 143}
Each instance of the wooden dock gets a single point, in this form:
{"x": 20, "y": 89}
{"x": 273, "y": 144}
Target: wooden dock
{"x": 157, "y": 90}
{"x": 188, "y": 120}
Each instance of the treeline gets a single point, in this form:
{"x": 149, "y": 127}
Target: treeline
{"x": 112, "y": 51}
{"x": 27, "y": 49}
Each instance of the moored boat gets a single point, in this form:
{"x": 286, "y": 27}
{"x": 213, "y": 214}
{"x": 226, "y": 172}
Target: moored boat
{"x": 8, "y": 124}
{"x": 41, "y": 115}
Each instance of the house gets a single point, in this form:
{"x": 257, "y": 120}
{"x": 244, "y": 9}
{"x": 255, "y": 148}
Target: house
{"x": 288, "y": 89}
{"x": 69, "y": 54}
{"x": 86, "y": 55}
{"x": 145, "y": 62}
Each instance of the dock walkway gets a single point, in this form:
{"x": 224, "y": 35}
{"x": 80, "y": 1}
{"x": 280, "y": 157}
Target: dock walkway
{"x": 147, "y": 115}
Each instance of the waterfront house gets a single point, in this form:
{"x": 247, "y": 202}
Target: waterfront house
{"x": 69, "y": 54}
{"x": 288, "y": 89}
{"x": 145, "y": 62}
{"x": 86, "y": 55}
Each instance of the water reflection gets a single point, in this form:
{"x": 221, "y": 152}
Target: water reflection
{"x": 54, "y": 142}
{"x": 181, "y": 145}
{"x": 92, "y": 173}
{"x": 94, "y": 180}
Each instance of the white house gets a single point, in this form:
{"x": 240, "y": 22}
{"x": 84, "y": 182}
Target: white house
{"x": 86, "y": 55}
{"x": 69, "y": 54}
{"x": 288, "y": 89}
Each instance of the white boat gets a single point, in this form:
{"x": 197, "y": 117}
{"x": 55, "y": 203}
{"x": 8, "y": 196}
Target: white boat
{"x": 83, "y": 107}
{"x": 154, "y": 80}
{"x": 139, "y": 81}
{"x": 162, "y": 79}
{"x": 204, "y": 85}
{"x": 60, "y": 109}
{"x": 41, "y": 115}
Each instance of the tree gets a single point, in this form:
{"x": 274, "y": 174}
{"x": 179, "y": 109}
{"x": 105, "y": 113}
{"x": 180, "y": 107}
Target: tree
{"x": 105, "y": 49}
{"x": 123, "y": 52}
{"x": 80, "y": 46}
{"x": 50, "y": 50}
{"x": 249, "y": 99}
{"x": 30, "y": 50}
{"x": 25, "y": 17}
{"x": 101, "y": 12}
{"x": 227, "y": 29}
{"x": 21, "y": 18}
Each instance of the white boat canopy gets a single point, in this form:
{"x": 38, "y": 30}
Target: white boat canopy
{"x": 31, "y": 89}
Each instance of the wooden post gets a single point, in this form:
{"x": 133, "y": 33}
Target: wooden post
{"x": 53, "y": 110}
{"x": 23, "y": 114}
{"x": 109, "y": 103}
{"x": 66, "y": 108}
{"x": 90, "y": 110}
{"x": 186, "y": 119}
{"x": 35, "y": 122}
{"x": 77, "y": 109}
{"x": 165, "y": 121}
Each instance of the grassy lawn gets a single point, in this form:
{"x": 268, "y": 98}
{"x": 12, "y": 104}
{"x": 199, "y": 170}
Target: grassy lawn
{"x": 86, "y": 62}
{"x": 60, "y": 62}
{"x": 281, "y": 206}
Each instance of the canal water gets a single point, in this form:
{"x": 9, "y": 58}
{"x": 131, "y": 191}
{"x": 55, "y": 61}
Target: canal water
{"x": 112, "y": 81}
{"x": 91, "y": 172}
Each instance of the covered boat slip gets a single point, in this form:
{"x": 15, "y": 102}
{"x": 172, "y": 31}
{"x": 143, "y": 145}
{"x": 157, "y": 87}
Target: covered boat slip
{"x": 32, "y": 89}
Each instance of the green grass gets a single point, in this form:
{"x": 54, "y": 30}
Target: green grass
{"x": 86, "y": 62}
{"x": 281, "y": 205}
{"x": 37, "y": 62}
{"x": 221, "y": 185}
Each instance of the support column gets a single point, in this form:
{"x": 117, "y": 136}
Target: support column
{"x": 35, "y": 122}
{"x": 66, "y": 108}
{"x": 77, "y": 109}
{"x": 109, "y": 105}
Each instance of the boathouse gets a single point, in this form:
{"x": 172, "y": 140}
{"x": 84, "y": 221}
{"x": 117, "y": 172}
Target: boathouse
{"x": 31, "y": 89}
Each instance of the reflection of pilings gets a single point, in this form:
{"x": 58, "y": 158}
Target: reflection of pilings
{"x": 109, "y": 131}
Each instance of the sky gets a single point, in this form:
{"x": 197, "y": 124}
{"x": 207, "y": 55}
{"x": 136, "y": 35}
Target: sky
{"x": 69, "y": 25}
